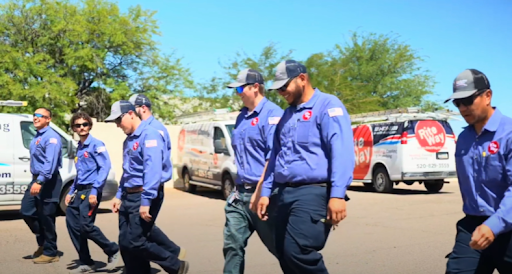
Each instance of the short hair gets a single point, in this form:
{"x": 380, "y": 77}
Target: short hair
{"x": 261, "y": 90}
{"x": 48, "y": 110}
{"x": 81, "y": 115}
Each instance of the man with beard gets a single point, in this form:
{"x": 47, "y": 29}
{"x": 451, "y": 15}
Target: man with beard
{"x": 483, "y": 158}
{"x": 143, "y": 108}
{"x": 141, "y": 193}
{"x": 252, "y": 141}
{"x": 311, "y": 165}
{"x": 92, "y": 166}
{"x": 39, "y": 205}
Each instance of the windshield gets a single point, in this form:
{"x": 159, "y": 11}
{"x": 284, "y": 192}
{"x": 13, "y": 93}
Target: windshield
{"x": 230, "y": 128}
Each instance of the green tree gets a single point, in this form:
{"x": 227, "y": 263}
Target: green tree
{"x": 373, "y": 72}
{"x": 70, "y": 55}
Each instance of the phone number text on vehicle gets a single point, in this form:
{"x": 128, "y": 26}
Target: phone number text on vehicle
{"x": 432, "y": 165}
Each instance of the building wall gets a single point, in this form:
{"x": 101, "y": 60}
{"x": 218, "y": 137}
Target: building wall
{"x": 113, "y": 137}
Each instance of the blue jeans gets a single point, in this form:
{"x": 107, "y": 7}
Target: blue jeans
{"x": 241, "y": 222}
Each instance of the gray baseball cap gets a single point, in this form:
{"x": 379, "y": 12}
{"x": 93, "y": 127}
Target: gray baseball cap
{"x": 119, "y": 108}
{"x": 468, "y": 83}
{"x": 285, "y": 71}
{"x": 247, "y": 76}
{"x": 140, "y": 100}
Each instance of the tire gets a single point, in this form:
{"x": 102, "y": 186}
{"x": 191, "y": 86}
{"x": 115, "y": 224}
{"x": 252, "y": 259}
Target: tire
{"x": 434, "y": 186}
{"x": 381, "y": 181}
{"x": 227, "y": 186}
{"x": 190, "y": 188}
{"x": 62, "y": 203}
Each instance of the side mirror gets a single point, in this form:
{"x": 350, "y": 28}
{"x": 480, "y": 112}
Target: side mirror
{"x": 218, "y": 147}
{"x": 71, "y": 149}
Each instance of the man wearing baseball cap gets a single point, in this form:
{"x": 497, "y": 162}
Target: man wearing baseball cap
{"x": 252, "y": 140}
{"x": 311, "y": 168}
{"x": 140, "y": 195}
{"x": 143, "y": 108}
{"x": 483, "y": 159}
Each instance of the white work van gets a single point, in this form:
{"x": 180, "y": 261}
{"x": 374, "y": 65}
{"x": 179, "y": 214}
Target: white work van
{"x": 16, "y": 133}
{"x": 205, "y": 156}
{"x": 404, "y": 146}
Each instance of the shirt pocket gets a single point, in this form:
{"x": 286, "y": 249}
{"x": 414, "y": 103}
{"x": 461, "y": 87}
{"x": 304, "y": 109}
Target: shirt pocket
{"x": 252, "y": 135}
{"x": 492, "y": 168}
{"x": 303, "y": 131}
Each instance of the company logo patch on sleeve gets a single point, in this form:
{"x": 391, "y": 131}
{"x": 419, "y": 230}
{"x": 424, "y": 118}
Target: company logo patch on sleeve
{"x": 150, "y": 143}
{"x": 53, "y": 140}
{"x": 101, "y": 149}
{"x": 335, "y": 112}
{"x": 274, "y": 120}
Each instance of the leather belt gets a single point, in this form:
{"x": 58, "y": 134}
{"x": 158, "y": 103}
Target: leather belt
{"x": 134, "y": 189}
{"x": 83, "y": 187}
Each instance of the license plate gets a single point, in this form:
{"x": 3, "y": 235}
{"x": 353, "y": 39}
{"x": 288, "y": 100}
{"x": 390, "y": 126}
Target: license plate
{"x": 442, "y": 155}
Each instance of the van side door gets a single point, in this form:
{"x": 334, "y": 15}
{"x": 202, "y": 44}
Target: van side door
{"x": 7, "y": 133}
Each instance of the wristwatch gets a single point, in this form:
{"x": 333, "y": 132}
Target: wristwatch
{"x": 38, "y": 182}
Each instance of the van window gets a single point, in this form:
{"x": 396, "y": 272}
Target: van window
{"x": 230, "y": 129}
{"x": 28, "y": 131}
{"x": 219, "y": 135}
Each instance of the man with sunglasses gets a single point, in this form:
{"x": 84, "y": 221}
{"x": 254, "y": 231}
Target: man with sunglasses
{"x": 143, "y": 108}
{"x": 140, "y": 195}
{"x": 483, "y": 158}
{"x": 311, "y": 165}
{"x": 92, "y": 165}
{"x": 41, "y": 200}
{"x": 252, "y": 140}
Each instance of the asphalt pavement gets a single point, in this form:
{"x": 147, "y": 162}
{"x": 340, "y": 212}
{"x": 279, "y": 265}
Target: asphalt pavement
{"x": 410, "y": 231}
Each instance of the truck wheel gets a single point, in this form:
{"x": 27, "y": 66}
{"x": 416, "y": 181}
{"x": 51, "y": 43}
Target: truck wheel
{"x": 434, "y": 186}
{"x": 190, "y": 188}
{"x": 227, "y": 186}
{"x": 381, "y": 181}
{"x": 62, "y": 202}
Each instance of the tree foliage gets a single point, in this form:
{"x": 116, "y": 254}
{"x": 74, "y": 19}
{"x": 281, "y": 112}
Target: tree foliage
{"x": 70, "y": 55}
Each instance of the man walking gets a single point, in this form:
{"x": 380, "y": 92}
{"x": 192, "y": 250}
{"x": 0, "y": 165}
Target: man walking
{"x": 252, "y": 141}
{"x": 141, "y": 193}
{"x": 39, "y": 205}
{"x": 143, "y": 109}
{"x": 483, "y": 158}
{"x": 311, "y": 165}
{"x": 83, "y": 200}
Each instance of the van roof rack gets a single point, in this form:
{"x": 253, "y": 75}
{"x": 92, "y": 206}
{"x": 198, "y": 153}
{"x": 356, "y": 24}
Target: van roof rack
{"x": 222, "y": 114}
{"x": 12, "y": 103}
{"x": 403, "y": 114}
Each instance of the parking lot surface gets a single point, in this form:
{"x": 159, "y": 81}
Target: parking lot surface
{"x": 410, "y": 231}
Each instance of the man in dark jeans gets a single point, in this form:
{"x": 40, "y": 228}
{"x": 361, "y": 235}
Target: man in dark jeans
{"x": 41, "y": 200}
{"x": 483, "y": 158}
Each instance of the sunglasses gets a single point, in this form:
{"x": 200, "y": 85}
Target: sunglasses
{"x": 285, "y": 86}
{"x": 81, "y": 125}
{"x": 468, "y": 101}
{"x": 39, "y": 115}
{"x": 240, "y": 89}
{"x": 118, "y": 119}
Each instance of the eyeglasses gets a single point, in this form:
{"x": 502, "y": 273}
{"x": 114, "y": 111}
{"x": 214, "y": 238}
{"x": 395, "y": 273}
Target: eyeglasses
{"x": 468, "y": 101}
{"x": 86, "y": 124}
{"x": 39, "y": 115}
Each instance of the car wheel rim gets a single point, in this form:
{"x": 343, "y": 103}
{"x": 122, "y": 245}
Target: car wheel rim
{"x": 380, "y": 180}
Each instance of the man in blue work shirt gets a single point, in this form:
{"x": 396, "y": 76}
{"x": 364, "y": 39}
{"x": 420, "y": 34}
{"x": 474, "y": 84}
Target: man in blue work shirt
{"x": 92, "y": 166}
{"x": 143, "y": 108}
{"x": 41, "y": 200}
{"x": 140, "y": 193}
{"x": 252, "y": 141}
{"x": 311, "y": 165}
{"x": 483, "y": 158}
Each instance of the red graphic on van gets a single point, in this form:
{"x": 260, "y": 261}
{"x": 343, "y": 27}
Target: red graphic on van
{"x": 431, "y": 135}
{"x": 181, "y": 140}
{"x": 363, "y": 148}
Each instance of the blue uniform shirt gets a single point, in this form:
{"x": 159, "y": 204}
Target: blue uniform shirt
{"x": 92, "y": 165}
{"x": 313, "y": 143}
{"x": 167, "y": 153}
{"x": 143, "y": 162}
{"x": 252, "y": 140}
{"x": 45, "y": 154}
{"x": 484, "y": 170}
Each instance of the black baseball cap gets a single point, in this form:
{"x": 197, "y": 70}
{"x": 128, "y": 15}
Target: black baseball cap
{"x": 247, "y": 76}
{"x": 468, "y": 83}
{"x": 285, "y": 71}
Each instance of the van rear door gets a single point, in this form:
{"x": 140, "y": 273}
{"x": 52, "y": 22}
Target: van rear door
{"x": 429, "y": 148}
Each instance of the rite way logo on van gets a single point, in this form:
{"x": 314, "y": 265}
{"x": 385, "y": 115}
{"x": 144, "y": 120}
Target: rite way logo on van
{"x": 431, "y": 135}
{"x": 363, "y": 149}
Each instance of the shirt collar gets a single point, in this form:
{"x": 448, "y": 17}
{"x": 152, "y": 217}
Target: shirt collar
{"x": 311, "y": 102}
{"x": 494, "y": 122}
{"x": 139, "y": 129}
{"x": 257, "y": 109}
{"x": 87, "y": 141}
{"x": 43, "y": 130}
{"x": 150, "y": 119}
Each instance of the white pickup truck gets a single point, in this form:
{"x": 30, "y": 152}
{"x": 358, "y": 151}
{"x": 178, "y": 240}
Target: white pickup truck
{"x": 16, "y": 133}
